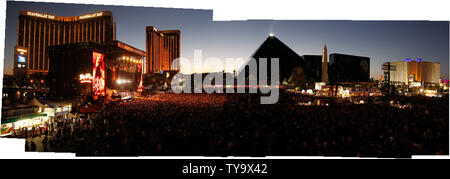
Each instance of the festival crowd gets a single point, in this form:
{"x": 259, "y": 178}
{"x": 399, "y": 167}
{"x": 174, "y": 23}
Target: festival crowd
{"x": 222, "y": 124}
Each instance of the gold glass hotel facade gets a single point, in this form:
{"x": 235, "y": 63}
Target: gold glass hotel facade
{"x": 162, "y": 48}
{"x": 37, "y": 31}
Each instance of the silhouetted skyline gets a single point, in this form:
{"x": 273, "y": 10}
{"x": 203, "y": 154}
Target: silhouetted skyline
{"x": 380, "y": 40}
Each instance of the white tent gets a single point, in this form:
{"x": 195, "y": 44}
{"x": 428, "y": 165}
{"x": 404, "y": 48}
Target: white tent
{"x": 35, "y": 102}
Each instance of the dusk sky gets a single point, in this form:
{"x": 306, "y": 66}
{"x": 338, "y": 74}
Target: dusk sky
{"x": 381, "y": 41}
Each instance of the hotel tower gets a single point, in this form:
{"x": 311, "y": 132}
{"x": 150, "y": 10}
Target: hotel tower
{"x": 162, "y": 48}
{"x": 37, "y": 31}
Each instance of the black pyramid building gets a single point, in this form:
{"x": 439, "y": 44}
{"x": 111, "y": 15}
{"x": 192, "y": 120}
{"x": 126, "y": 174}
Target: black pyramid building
{"x": 294, "y": 70}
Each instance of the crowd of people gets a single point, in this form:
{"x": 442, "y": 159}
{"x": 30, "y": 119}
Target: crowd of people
{"x": 226, "y": 124}
{"x": 57, "y": 135}
{"x": 33, "y": 131}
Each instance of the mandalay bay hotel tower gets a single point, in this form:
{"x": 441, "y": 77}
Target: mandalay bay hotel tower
{"x": 37, "y": 31}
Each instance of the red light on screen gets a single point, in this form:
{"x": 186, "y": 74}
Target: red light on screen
{"x": 98, "y": 74}
{"x": 139, "y": 67}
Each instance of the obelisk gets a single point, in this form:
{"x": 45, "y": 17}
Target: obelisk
{"x": 324, "y": 64}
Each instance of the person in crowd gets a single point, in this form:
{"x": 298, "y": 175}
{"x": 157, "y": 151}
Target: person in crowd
{"x": 32, "y": 146}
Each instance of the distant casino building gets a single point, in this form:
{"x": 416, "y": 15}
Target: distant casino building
{"x": 316, "y": 64}
{"x": 162, "y": 47}
{"x": 348, "y": 68}
{"x": 410, "y": 71}
{"x": 37, "y": 31}
{"x": 95, "y": 69}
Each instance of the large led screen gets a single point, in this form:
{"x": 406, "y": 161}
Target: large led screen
{"x": 98, "y": 74}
